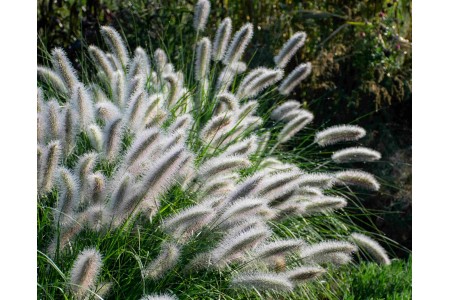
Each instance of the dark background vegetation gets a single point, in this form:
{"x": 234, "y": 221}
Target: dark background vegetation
{"x": 360, "y": 51}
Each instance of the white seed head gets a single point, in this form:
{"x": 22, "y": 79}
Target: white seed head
{"x": 324, "y": 204}
{"x": 49, "y": 166}
{"x": 68, "y": 197}
{"x": 113, "y": 139}
{"x": 259, "y": 83}
{"x": 85, "y": 272}
{"x": 289, "y": 49}
{"x": 202, "y": 9}
{"x": 116, "y": 44}
{"x": 357, "y": 178}
{"x": 64, "y": 68}
{"x": 240, "y": 41}
{"x": 294, "y": 126}
{"x": 355, "y": 154}
{"x": 318, "y": 180}
{"x": 278, "y": 248}
{"x": 233, "y": 246}
{"x": 339, "y": 133}
{"x": 101, "y": 61}
{"x": 222, "y": 39}
{"x": 95, "y": 135}
{"x": 303, "y": 274}
{"x": 84, "y": 106}
{"x": 288, "y": 106}
{"x": 294, "y": 78}
{"x": 202, "y": 59}
{"x": 52, "y": 78}
{"x": 327, "y": 247}
{"x": 372, "y": 247}
{"x": 166, "y": 260}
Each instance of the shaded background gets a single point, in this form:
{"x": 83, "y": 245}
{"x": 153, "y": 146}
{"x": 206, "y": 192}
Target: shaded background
{"x": 360, "y": 51}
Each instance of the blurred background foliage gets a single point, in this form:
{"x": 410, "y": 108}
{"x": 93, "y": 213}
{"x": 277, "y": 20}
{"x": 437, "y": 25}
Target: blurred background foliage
{"x": 360, "y": 51}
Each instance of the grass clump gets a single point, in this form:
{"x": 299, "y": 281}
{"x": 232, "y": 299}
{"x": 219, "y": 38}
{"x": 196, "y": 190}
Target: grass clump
{"x": 163, "y": 187}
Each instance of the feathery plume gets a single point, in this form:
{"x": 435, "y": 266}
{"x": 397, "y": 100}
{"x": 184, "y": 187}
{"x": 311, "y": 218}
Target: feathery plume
{"x": 195, "y": 216}
{"x": 114, "y": 61}
{"x": 174, "y": 86}
{"x": 220, "y": 165}
{"x": 226, "y": 102}
{"x": 121, "y": 190}
{"x": 215, "y": 125}
{"x": 140, "y": 65}
{"x": 372, "y": 247}
{"x": 304, "y": 273}
{"x": 135, "y": 111}
{"x": 337, "y": 259}
{"x": 339, "y": 133}
{"x": 324, "y": 204}
{"x": 233, "y": 246}
{"x": 53, "y": 117}
{"x": 52, "y": 78}
{"x": 64, "y": 68}
{"x": 288, "y": 106}
{"x": 278, "y": 248}
{"x": 95, "y": 135}
{"x": 246, "y": 187}
{"x": 96, "y": 216}
{"x": 68, "y": 197}
{"x": 166, "y": 260}
{"x": 85, "y": 272}
{"x": 294, "y": 126}
{"x": 162, "y": 174}
{"x": 217, "y": 186}
{"x": 69, "y": 129}
{"x": 319, "y": 180}
{"x": 310, "y": 191}
{"x": 247, "y": 110}
{"x": 182, "y": 123}
{"x": 160, "y": 59}
{"x": 228, "y": 76}
{"x": 97, "y": 187}
{"x": 222, "y": 39}
{"x": 355, "y": 154}
{"x": 242, "y": 148}
{"x": 107, "y": 111}
{"x": 327, "y": 247}
{"x": 201, "y": 14}
{"x": 50, "y": 162}
{"x": 240, "y": 209}
{"x": 142, "y": 147}
{"x": 237, "y": 47}
{"x": 357, "y": 178}
{"x": 112, "y": 139}
{"x": 101, "y": 61}
{"x": 203, "y": 58}
{"x": 263, "y": 282}
{"x": 82, "y": 102}
{"x": 83, "y": 168}
{"x": 251, "y": 76}
{"x": 289, "y": 49}
{"x": 66, "y": 234}
{"x": 294, "y": 78}
{"x": 115, "y": 44}
{"x": 118, "y": 87}
{"x": 259, "y": 83}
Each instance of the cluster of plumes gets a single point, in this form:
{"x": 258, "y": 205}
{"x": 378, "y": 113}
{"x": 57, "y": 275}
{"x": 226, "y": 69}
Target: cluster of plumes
{"x": 144, "y": 100}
